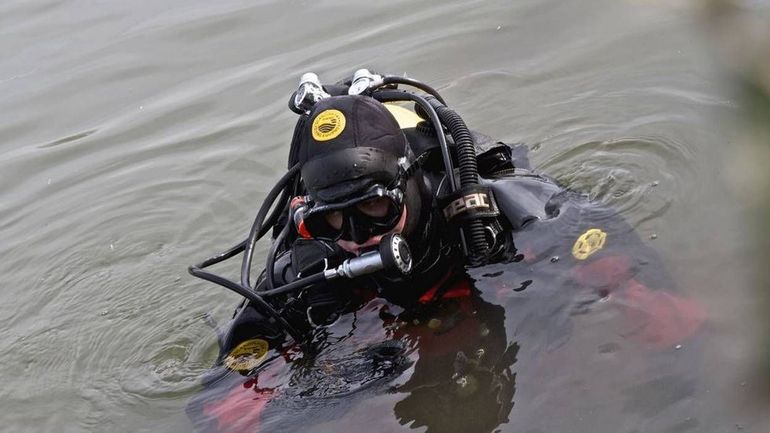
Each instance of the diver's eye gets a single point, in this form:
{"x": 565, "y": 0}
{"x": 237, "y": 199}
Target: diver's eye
{"x": 334, "y": 219}
{"x": 376, "y": 207}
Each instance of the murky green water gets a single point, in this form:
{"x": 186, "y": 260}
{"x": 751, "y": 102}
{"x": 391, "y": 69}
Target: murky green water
{"x": 138, "y": 137}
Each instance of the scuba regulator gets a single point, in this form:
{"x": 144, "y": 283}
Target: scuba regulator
{"x": 464, "y": 207}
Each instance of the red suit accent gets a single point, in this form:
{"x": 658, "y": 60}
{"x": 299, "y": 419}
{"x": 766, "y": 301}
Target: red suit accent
{"x": 656, "y": 317}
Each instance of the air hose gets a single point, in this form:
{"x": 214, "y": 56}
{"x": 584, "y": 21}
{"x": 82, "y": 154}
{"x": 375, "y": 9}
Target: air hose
{"x": 473, "y": 230}
{"x": 261, "y": 226}
{"x": 394, "y": 79}
{"x": 387, "y": 95}
{"x": 469, "y": 174}
{"x": 248, "y": 252}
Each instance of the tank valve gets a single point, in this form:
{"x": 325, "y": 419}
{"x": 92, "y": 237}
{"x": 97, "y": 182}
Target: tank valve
{"x": 309, "y": 92}
{"x": 363, "y": 80}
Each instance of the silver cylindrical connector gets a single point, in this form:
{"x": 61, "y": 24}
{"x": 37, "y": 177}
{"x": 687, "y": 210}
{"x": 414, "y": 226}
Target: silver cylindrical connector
{"x": 393, "y": 254}
{"x": 363, "y": 80}
{"x": 309, "y": 92}
{"x": 364, "y": 264}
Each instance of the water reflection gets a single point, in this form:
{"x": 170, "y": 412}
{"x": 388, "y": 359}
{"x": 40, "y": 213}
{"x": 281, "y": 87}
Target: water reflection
{"x": 448, "y": 364}
{"x": 463, "y": 380}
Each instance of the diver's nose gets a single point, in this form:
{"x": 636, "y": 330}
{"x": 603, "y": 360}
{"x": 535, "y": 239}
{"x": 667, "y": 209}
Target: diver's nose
{"x": 357, "y": 234}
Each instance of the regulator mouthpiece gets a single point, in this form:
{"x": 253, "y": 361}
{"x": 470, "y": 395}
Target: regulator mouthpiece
{"x": 392, "y": 255}
{"x": 395, "y": 254}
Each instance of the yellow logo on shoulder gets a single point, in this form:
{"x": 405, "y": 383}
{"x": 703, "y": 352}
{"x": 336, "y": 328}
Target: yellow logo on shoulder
{"x": 328, "y": 125}
{"x": 588, "y": 243}
{"x": 247, "y": 355}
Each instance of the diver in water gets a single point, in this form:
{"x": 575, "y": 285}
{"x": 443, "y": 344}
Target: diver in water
{"x": 384, "y": 203}
{"x": 363, "y": 182}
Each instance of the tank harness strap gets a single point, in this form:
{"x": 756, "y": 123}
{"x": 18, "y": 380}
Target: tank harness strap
{"x": 472, "y": 201}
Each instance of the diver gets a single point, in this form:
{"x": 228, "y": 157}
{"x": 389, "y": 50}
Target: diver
{"x": 381, "y": 202}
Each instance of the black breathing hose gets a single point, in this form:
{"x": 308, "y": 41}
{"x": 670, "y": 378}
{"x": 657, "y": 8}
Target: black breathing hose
{"x": 439, "y": 114}
{"x": 248, "y": 252}
{"x": 213, "y": 260}
{"x": 238, "y": 248}
{"x": 259, "y": 303}
{"x": 395, "y": 79}
{"x": 296, "y": 139}
{"x": 295, "y": 285}
{"x": 259, "y": 229}
{"x": 466, "y": 149}
{"x": 293, "y": 106}
{"x": 386, "y": 95}
{"x": 270, "y": 263}
{"x": 469, "y": 173}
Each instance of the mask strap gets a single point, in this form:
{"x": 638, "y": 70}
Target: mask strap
{"x": 406, "y": 171}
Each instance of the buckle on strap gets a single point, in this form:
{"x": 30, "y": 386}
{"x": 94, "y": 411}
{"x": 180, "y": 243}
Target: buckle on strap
{"x": 407, "y": 170}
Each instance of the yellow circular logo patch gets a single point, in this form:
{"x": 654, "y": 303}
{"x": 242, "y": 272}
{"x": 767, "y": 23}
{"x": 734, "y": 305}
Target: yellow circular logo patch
{"x": 247, "y": 355}
{"x": 588, "y": 243}
{"x": 328, "y": 125}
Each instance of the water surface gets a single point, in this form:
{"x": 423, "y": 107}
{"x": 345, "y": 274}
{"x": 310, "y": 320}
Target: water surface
{"x": 139, "y": 137}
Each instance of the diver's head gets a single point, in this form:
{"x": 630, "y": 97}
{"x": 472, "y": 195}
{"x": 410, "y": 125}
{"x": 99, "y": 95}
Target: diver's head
{"x": 354, "y": 159}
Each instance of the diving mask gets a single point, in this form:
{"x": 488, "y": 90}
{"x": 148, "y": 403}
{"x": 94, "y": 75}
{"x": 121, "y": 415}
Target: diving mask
{"x": 375, "y": 212}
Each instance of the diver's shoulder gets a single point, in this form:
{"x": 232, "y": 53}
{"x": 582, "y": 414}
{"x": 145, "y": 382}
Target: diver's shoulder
{"x": 522, "y": 194}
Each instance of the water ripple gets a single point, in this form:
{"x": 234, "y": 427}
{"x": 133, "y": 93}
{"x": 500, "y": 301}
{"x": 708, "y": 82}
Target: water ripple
{"x": 638, "y": 176}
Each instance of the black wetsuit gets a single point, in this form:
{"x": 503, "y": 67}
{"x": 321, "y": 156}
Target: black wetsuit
{"x": 551, "y": 244}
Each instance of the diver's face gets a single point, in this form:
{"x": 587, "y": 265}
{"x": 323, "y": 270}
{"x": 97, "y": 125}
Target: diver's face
{"x": 377, "y": 207}
{"x": 374, "y": 208}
